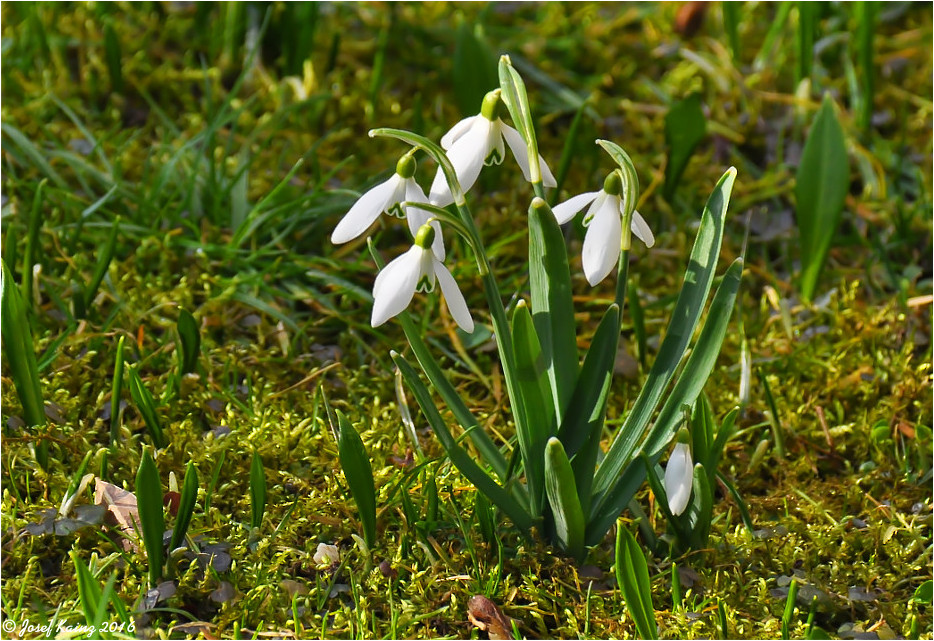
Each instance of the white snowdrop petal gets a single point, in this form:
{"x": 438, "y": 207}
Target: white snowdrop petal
{"x": 457, "y": 131}
{"x": 519, "y": 149}
{"x": 566, "y": 210}
{"x": 454, "y": 298}
{"x": 602, "y": 242}
{"x": 679, "y": 477}
{"x": 395, "y": 286}
{"x": 496, "y": 141}
{"x": 548, "y": 178}
{"x": 467, "y": 156}
{"x": 641, "y": 229}
{"x": 365, "y": 211}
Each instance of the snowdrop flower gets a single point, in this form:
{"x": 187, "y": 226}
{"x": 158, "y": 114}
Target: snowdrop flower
{"x": 679, "y": 474}
{"x": 388, "y": 197}
{"x": 481, "y": 140}
{"x": 414, "y": 270}
{"x": 326, "y": 555}
{"x": 604, "y": 238}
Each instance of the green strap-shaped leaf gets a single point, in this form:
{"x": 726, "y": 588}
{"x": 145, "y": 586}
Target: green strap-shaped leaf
{"x": 582, "y": 426}
{"x": 685, "y": 392}
{"x": 103, "y": 262}
{"x": 474, "y": 68}
{"x": 359, "y": 475}
{"x": 459, "y": 457}
{"x": 189, "y": 341}
{"x": 685, "y": 128}
{"x": 147, "y": 407}
{"x": 186, "y": 506}
{"x": 535, "y": 395}
{"x": 697, "y": 281}
{"x": 21, "y": 358}
{"x": 89, "y": 590}
{"x": 116, "y": 390}
{"x": 700, "y": 513}
{"x": 821, "y": 185}
{"x": 257, "y": 491}
{"x": 152, "y": 519}
{"x": 632, "y": 576}
{"x": 562, "y": 497}
{"x": 552, "y": 306}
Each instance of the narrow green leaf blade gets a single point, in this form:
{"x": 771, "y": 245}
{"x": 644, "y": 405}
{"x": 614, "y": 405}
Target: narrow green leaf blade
{"x": 186, "y": 506}
{"x": 146, "y": 407}
{"x": 821, "y": 185}
{"x": 563, "y": 499}
{"x": 552, "y": 305}
{"x": 685, "y": 392}
{"x": 152, "y": 519}
{"x": 536, "y": 397}
{"x": 474, "y": 68}
{"x": 632, "y": 576}
{"x": 697, "y": 282}
{"x": 685, "y": 128}
{"x": 21, "y": 358}
{"x": 257, "y": 491}
{"x": 189, "y": 341}
{"x": 359, "y": 475}
{"x": 116, "y": 390}
{"x": 89, "y": 591}
{"x": 103, "y": 262}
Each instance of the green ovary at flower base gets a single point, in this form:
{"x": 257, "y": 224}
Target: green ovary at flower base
{"x": 417, "y": 269}
{"x": 397, "y": 197}
{"x": 481, "y": 140}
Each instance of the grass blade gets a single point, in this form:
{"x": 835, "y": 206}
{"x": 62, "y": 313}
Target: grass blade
{"x": 32, "y": 242}
{"x": 632, "y": 576}
{"x": 21, "y": 359}
{"x": 563, "y": 499}
{"x": 100, "y": 270}
{"x": 257, "y": 492}
{"x": 151, "y": 516}
{"x": 474, "y": 68}
{"x": 116, "y": 390}
{"x": 459, "y": 457}
{"x": 356, "y": 465}
{"x": 189, "y": 341}
{"x": 186, "y": 506}
{"x": 807, "y": 22}
{"x": 637, "y": 316}
{"x": 147, "y": 408}
{"x": 685, "y": 128}
{"x": 89, "y": 590}
{"x": 821, "y": 185}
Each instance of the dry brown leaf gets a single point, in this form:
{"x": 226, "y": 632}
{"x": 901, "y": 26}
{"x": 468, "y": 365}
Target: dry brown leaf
{"x": 485, "y": 614}
{"x": 121, "y": 504}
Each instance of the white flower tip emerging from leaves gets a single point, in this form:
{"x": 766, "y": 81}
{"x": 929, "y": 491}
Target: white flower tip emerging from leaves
{"x": 679, "y": 476}
{"x": 417, "y": 269}
{"x": 604, "y": 240}
{"x": 387, "y": 197}
{"x": 326, "y": 555}
{"x": 481, "y": 140}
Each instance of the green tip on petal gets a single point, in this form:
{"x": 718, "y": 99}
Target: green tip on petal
{"x": 492, "y": 103}
{"x": 406, "y": 166}
{"x": 613, "y": 185}
{"x": 425, "y": 236}
{"x": 684, "y": 436}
